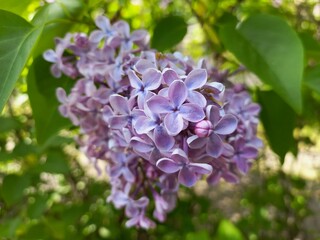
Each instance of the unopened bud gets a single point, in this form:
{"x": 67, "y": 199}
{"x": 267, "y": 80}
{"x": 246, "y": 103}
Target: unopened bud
{"x": 203, "y": 128}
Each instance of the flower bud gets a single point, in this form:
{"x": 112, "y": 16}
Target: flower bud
{"x": 203, "y": 128}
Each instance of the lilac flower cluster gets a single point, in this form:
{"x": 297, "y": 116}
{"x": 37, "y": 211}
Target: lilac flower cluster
{"x": 159, "y": 120}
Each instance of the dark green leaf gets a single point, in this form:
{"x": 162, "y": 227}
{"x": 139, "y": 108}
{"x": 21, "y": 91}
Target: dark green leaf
{"x": 312, "y": 78}
{"x": 8, "y": 123}
{"x": 279, "y": 122}
{"x": 17, "y": 39}
{"x": 56, "y": 162}
{"x": 228, "y": 231}
{"x": 41, "y": 90}
{"x": 311, "y": 46}
{"x": 271, "y": 49}
{"x": 168, "y": 32}
{"x": 13, "y": 187}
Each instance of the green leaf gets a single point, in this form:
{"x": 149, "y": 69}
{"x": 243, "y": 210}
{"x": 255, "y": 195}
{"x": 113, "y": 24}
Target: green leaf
{"x": 13, "y": 187}
{"x": 311, "y": 46}
{"x": 312, "y": 78}
{"x": 9, "y": 227}
{"x": 42, "y": 94}
{"x": 56, "y": 162}
{"x": 271, "y": 49}
{"x": 36, "y": 208}
{"x": 200, "y": 235}
{"x": 279, "y": 122}
{"x": 168, "y": 32}
{"x": 17, "y": 39}
{"x": 228, "y": 231}
{"x": 8, "y": 124}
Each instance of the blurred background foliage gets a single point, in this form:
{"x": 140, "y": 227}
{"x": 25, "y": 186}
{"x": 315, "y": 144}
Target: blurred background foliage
{"x": 50, "y": 191}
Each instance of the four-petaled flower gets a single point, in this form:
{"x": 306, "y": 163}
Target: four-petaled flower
{"x": 188, "y": 171}
{"x": 175, "y": 108}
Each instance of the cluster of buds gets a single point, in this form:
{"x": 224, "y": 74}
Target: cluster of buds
{"x": 158, "y": 120}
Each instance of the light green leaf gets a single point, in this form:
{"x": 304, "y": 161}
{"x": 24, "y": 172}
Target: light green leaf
{"x": 42, "y": 94}
{"x": 228, "y": 231}
{"x": 15, "y": 6}
{"x": 279, "y": 121}
{"x": 17, "y": 39}
{"x": 168, "y": 32}
{"x": 271, "y": 49}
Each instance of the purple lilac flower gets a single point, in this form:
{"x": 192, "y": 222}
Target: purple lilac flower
{"x": 159, "y": 120}
{"x": 175, "y": 108}
{"x": 188, "y": 171}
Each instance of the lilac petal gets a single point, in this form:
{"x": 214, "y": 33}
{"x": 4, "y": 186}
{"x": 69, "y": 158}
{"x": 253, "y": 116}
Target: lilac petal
{"x": 179, "y": 156}
{"x": 249, "y": 152}
{"x": 214, "y": 146}
{"x": 142, "y": 202}
{"x": 103, "y": 23}
{"x": 50, "y": 56}
{"x": 187, "y": 177}
{"x": 201, "y": 168}
{"x": 115, "y": 171}
{"x": 214, "y": 177}
{"x": 215, "y": 87}
{"x": 120, "y": 199}
{"x": 169, "y": 75}
{"x": 228, "y": 150}
{"x": 132, "y": 222}
{"x": 135, "y": 81}
{"x": 127, "y": 174}
{"x": 253, "y": 109}
{"x": 146, "y": 223}
{"x": 55, "y": 70}
{"x": 242, "y": 165}
{"x": 197, "y": 98}
{"x": 213, "y": 113}
{"x": 142, "y": 65}
{"x": 96, "y": 36}
{"x": 230, "y": 177}
{"x": 227, "y": 125}
{"x": 102, "y": 95}
{"x": 196, "y": 79}
{"x": 178, "y": 93}
{"x": 195, "y": 142}
{"x": 159, "y": 104}
{"x": 144, "y": 125}
{"x": 140, "y": 145}
{"x": 162, "y": 139}
{"x": 167, "y": 165}
{"x": 119, "y": 104}
{"x": 118, "y": 122}
{"x": 192, "y": 112}
{"x": 114, "y": 41}
{"x": 151, "y": 79}
{"x": 138, "y": 35}
{"x": 61, "y": 95}
{"x": 173, "y": 123}
{"x": 122, "y": 28}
